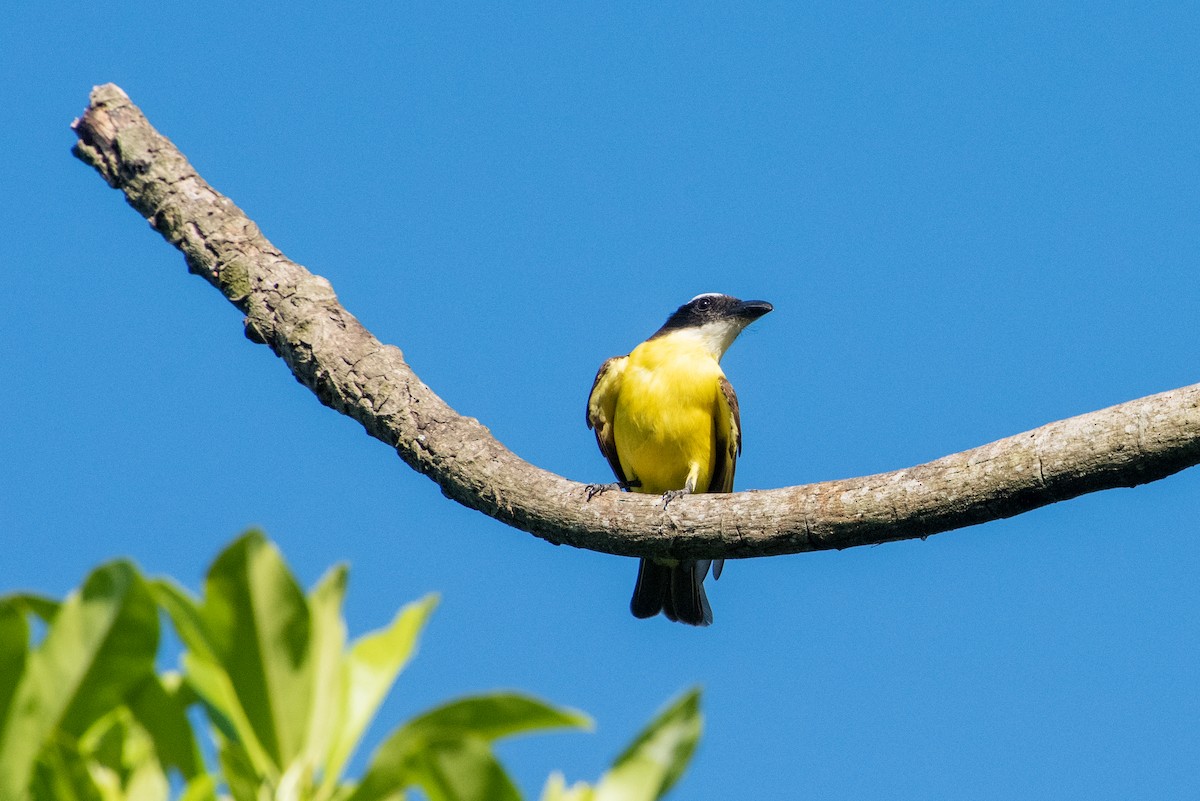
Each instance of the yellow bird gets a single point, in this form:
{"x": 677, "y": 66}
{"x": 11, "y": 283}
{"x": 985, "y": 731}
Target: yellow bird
{"x": 667, "y": 420}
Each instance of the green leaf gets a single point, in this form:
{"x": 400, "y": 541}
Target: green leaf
{"x": 14, "y": 650}
{"x": 216, "y": 691}
{"x": 258, "y": 617}
{"x": 456, "y": 734}
{"x": 122, "y": 759}
{"x": 240, "y": 776}
{"x": 62, "y": 775}
{"x": 329, "y": 691}
{"x": 101, "y": 643}
{"x": 463, "y": 770}
{"x": 147, "y": 782}
{"x": 15, "y": 639}
{"x": 159, "y": 709}
{"x": 271, "y": 668}
{"x": 556, "y": 790}
{"x": 104, "y": 741}
{"x": 370, "y": 670}
{"x": 201, "y": 788}
{"x": 656, "y": 759}
{"x": 45, "y": 608}
{"x": 184, "y": 612}
{"x": 123, "y": 626}
{"x": 492, "y": 716}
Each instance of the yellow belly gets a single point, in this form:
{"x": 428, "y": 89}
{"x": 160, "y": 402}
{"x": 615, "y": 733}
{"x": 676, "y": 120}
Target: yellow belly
{"x": 664, "y": 426}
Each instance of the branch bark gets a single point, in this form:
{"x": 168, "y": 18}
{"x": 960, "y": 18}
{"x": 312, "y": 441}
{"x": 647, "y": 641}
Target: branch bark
{"x": 298, "y": 316}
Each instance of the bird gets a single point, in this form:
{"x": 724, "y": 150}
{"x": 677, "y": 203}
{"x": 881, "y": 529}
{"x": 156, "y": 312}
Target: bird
{"x": 667, "y": 420}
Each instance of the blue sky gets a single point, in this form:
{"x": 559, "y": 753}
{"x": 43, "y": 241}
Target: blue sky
{"x": 971, "y": 222}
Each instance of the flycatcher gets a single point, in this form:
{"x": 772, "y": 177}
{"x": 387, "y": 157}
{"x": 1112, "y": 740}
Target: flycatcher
{"x": 667, "y": 420}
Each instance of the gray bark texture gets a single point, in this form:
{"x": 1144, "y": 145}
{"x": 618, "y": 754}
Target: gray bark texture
{"x": 299, "y": 317}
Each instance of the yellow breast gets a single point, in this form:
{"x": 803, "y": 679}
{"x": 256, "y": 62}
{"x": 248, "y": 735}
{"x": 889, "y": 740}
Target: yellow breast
{"x": 666, "y": 415}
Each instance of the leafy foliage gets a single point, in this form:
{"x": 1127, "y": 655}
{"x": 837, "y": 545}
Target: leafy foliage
{"x": 85, "y": 716}
{"x": 651, "y": 764}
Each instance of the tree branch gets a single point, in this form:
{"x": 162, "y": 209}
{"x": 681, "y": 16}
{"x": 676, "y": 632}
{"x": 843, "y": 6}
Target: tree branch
{"x": 297, "y": 314}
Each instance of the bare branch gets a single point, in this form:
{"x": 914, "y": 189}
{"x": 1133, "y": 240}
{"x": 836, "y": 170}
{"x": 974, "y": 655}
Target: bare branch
{"x": 297, "y": 314}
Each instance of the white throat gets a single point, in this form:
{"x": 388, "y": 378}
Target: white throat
{"x": 714, "y": 337}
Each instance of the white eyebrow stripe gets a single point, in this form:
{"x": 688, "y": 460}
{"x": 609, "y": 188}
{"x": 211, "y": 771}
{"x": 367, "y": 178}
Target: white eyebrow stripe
{"x": 705, "y": 295}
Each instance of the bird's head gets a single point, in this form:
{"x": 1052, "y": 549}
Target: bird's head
{"x": 714, "y": 320}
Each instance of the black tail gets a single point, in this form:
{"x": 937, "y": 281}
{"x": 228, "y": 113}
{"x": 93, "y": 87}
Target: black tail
{"x": 675, "y": 590}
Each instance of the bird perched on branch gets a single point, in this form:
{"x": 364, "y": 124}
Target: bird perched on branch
{"x": 667, "y": 420}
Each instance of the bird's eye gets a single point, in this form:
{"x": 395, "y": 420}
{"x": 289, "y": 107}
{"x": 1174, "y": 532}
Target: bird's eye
{"x": 704, "y": 304}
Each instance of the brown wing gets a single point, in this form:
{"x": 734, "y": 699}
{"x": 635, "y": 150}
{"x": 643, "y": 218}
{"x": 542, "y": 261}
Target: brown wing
{"x": 729, "y": 438}
{"x": 601, "y": 410}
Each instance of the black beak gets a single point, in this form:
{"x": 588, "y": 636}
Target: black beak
{"x": 753, "y": 309}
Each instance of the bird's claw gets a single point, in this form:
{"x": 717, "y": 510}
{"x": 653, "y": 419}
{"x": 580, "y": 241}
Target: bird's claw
{"x": 673, "y": 495}
{"x": 599, "y": 489}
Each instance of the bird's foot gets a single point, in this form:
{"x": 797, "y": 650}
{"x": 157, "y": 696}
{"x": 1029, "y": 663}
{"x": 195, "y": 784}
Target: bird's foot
{"x": 674, "y": 495}
{"x": 599, "y": 489}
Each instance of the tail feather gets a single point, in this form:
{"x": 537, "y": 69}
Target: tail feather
{"x": 652, "y": 589}
{"x": 675, "y": 590}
